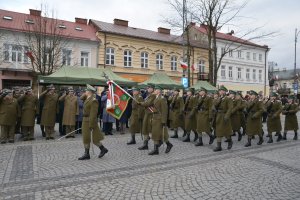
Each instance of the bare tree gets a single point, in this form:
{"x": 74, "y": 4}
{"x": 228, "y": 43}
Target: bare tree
{"x": 45, "y": 41}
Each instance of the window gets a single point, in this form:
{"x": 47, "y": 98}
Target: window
{"x": 173, "y": 63}
{"x": 110, "y": 56}
{"x": 254, "y": 75}
{"x": 25, "y": 57}
{"x": 127, "y": 58}
{"x": 201, "y": 66}
{"x": 260, "y": 75}
{"x": 222, "y": 51}
{"x": 15, "y": 53}
{"x": 6, "y": 52}
{"x": 239, "y": 54}
{"x": 66, "y": 58}
{"x": 195, "y": 37}
{"x": 144, "y": 60}
{"x": 260, "y": 57}
{"x": 223, "y": 71}
{"x": 254, "y": 56}
{"x": 248, "y": 74}
{"x": 230, "y": 53}
{"x": 84, "y": 58}
{"x": 230, "y": 72}
{"x": 248, "y": 55}
{"x": 159, "y": 62}
{"x": 239, "y": 73}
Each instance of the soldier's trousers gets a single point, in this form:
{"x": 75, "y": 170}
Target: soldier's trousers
{"x": 86, "y": 135}
{"x": 28, "y": 132}
{"x": 7, "y": 133}
{"x": 49, "y": 130}
{"x": 219, "y": 139}
{"x": 69, "y": 129}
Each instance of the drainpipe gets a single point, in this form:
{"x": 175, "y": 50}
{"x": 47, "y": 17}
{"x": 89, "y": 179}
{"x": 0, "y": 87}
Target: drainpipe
{"x": 104, "y": 59}
{"x": 265, "y": 84}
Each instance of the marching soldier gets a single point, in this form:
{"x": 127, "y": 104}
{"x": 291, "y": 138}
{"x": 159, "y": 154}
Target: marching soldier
{"x": 203, "y": 111}
{"x": 90, "y": 124}
{"x": 215, "y": 100}
{"x": 176, "y": 109}
{"x": 159, "y": 129}
{"x": 9, "y": 112}
{"x": 274, "y": 109}
{"x": 189, "y": 116}
{"x": 16, "y": 94}
{"x": 71, "y": 110}
{"x": 136, "y": 117}
{"x": 29, "y": 109}
{"x": 254, "y": 110}
{"x": 147, "y": 104}
{"x": 291, "y": 122}
{"x": 223, "y": 110}
{"x": 236, "y": 114}
{"x": 49, "y": 112}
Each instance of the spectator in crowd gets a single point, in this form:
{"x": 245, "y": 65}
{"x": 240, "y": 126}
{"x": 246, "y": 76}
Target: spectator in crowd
{"x": 80, "y": 111}
{"x": 107, "y": 119}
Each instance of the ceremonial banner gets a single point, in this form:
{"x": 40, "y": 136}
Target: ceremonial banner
{"x": 117, "y": 100}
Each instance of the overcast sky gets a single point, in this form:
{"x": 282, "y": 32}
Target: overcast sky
{"x": 280, "y": 16}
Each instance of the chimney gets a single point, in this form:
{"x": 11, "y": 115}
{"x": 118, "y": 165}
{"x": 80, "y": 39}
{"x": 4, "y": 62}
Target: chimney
{"x": 163, "y": 30}
{"x": 80, "y": 20}
{"x": 35, "y": 12}
{"x": 121, "y": 22}
{"x": 231, "y": 32}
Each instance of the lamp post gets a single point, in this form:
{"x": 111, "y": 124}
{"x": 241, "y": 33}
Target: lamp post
{"x": 295, "y": 63}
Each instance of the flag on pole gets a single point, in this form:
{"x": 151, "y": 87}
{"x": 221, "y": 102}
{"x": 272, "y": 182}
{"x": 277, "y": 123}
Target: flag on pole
{"x": 117, "y": 100}
{"x": 29, "y": 54}
{"x": 183, "y": 65}
{"x": 193, "y": 67}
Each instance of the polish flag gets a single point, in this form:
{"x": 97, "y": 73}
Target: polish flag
{"x": 193, "y": 67}
{"x": 183, "y": 65}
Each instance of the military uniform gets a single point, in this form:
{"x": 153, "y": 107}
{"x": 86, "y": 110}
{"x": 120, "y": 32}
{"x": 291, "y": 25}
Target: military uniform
{"x": 136, "y": 117}
{"x": 189, "y": 116}
{"x": 29, "y": 109}
{"x": 71, "y": 110}
{"x": 9, "y": 112}
{"x": 176, "y": 113}
{"x": 17, "y": 95}
{"x": 49, "y": 112}
{"x": 290, "y": 122}
{"x": 90, "y": 125}
{"x": 237, "y": 116}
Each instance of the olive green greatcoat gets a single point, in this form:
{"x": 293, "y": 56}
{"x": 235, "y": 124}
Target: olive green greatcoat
{"x": 190, "y": 117}
{"x": 290, "y": 121}
{"x": 160, "y": 116}
{"x": 237, "y": 114}
{"x": 147, "y": 104}
{"x": 273, "y": 121}
{"x": 203, "y": 110}
{"x": 223, "y": 123}
{"x": 29, "y": 109}
{"x": 9, "y": 111}
{"x": 50, "y": 108}
{"x": 137, "y": 113}
{"x": 90, "y": 122}
{"x": 255, "y": 110}
{"x": 71, "y": 109}
{"x": 176, "y": 111}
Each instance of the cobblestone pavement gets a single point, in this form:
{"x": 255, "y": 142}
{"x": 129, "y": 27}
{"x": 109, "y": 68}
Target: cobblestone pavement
{"x": 50, "y": 170}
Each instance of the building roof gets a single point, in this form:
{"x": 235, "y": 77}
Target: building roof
{"x": 285, "y": 74}
{"x": 22, "y": 22}
{"x": 141, "y": 33}
{"x": 228, "y": 37}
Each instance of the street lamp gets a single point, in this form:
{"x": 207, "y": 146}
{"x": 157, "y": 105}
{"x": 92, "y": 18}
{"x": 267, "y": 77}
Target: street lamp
{"x": 295, "y": 63}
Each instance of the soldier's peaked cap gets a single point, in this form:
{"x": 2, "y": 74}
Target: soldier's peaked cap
{"x": 252, "y": 92}
{"x": 202, "y": 89}
{"x": 90, "y": 88}
{"x": 222, "y": 87}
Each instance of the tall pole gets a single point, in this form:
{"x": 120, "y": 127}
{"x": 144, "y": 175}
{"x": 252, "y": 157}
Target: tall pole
{"x": 295, "y": 63}
{"x": 183, "y": 29}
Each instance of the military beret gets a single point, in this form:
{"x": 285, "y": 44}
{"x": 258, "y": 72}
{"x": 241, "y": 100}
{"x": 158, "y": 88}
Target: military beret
{"x": 135, "y": 89}
{"x": 51, "y": 87}
{"x": 90, "y": 88}
{"x": 222, "y": 87}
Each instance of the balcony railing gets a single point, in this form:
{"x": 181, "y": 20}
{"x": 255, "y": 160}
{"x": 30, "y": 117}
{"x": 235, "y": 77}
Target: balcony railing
{"x": 203, "y": 76}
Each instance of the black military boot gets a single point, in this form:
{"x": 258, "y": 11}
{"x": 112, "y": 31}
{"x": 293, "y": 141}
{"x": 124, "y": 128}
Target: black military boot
{"x": 219, "y": 147}
{"x": 103, "y": 151}
{"x": 270, "y": 139}
{"x": 233, "y": 134}
{"x": 276, "y": 134}
{"x": 230, "y": 143}
{"x": 175, "y": 134}
{"x": 199, "y": 143}
{"x": 145, "y": 145}
{"x": 279, "y": 138}
{"x": 261, "y": 140}
{"x": 239, "y": 136}
{"x": 295, "y": 136}
{"x": 248, "y": 144}
{"x": 211, "y": 138}
{"x": 154, "y": 151}
{"x": 184, "y": 134}
{"x": 86, "y": 155}
{"x": 284, "y": 136}
{"x": 187, "y": 139}
{"x": 196, "y": 136}
{"x": 169, "y": 147}
{"x": 132, "y": 141}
